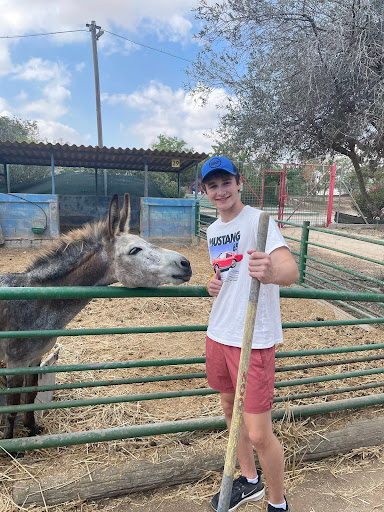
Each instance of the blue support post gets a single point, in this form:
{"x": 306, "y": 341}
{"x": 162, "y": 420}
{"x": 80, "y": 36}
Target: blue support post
{"x": 53, "y": 171}
{"x": 196, "y": 179}
{"x": 145, "y": 177}
{"x": 178, "y": 184}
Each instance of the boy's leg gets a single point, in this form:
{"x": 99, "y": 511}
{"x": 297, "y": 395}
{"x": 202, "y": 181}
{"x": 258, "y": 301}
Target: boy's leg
{"x": 245, "y": 454}
{"x": 269, "y": 451}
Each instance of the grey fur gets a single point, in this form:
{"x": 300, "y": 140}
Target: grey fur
{"x": 95, "y": 255}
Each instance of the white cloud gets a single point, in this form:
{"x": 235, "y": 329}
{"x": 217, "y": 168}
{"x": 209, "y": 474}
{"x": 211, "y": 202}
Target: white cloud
{"x": 5, "y": 59}
{"x": 42, "y": 70}
{"x": 4, "y": 108}
{"x": 168, "y": 17}
{"x": 47, "y": 101}
{"x": 174, "y": 113}
{"x": 54, "y": 95}
{"x": 80, "y": 66}
{"x": 53, "y": 132}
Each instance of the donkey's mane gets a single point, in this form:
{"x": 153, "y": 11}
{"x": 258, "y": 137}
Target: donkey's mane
{"x": 68, "y": 252}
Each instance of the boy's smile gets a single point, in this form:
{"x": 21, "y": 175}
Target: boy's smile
{"x": 223, "y": 192}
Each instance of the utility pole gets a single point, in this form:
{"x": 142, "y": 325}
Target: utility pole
{"x": 92, "y": 27}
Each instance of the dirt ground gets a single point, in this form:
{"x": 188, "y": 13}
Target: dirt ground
{"x": 349, "y": 483}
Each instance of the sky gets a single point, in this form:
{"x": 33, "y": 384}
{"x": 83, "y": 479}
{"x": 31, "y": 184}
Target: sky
{"x": 50, "y": 78}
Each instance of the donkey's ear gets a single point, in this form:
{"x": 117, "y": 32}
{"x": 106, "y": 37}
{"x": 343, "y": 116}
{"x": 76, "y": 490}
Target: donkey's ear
{"x": 113, "y": 217}
{"x": 125, "y": 215}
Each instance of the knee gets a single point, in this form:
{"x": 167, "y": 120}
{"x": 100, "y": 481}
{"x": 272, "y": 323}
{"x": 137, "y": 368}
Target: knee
{"x": 260, "y": 440}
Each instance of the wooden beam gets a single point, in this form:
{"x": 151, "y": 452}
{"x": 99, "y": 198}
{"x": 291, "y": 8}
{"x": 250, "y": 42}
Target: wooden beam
{"x": 179, "y": 467}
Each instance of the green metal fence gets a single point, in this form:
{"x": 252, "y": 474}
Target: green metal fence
{"x": 326, "y": 274}
{"x": 45, "y": 441}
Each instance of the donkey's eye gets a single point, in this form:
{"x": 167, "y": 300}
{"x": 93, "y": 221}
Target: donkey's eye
{"x": 135, "y": 250}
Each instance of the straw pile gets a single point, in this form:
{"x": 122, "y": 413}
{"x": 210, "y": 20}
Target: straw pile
{"x": 159, "y": 311}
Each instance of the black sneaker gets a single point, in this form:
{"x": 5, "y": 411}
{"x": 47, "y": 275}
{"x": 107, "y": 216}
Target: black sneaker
{"x": 242, "y": 491}
{"x": 274, "y": 509}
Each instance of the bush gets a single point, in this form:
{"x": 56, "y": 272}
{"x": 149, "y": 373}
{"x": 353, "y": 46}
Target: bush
{"x": 377, "y": 196}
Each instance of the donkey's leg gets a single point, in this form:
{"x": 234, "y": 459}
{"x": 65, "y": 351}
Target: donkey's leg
{"x": 13, "y": 381}
{"x": 29, "y": 416}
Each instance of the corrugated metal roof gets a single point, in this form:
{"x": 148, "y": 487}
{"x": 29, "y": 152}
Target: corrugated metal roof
{"x": 30, "y": 153}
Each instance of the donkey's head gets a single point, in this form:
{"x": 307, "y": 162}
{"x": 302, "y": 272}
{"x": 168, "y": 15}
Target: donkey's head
{"x": 137, "y": 263}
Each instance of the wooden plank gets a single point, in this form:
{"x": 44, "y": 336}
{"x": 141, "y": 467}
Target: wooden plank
{"x": 179, "y": 467}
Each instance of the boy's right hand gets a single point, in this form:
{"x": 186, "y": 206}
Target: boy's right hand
{"x": 215, "y": 284}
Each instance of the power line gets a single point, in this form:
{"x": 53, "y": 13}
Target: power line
{"x": 146, "y": 46}
{"x": 112, "y": 33}
{"x": 44, "y": 34}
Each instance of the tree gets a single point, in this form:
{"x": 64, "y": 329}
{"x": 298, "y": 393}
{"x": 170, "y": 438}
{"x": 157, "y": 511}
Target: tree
{"x": 306, "y": 78}
{"x": 167, "y": 181}
{"x": 17, "y": 130}
{"x": 166, "y": 143}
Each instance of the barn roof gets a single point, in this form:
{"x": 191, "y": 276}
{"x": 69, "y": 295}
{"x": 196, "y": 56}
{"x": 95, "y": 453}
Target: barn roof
{"x": 31, "y": 153}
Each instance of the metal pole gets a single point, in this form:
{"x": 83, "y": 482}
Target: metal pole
{"x": 340, "y": 187}
{"x": 331, "y": 189}
{"x": 178, "y": 184}
{"x": 92, "y": 28}
{"x": 196, "y": 179}
{"x": 145, "y": 177}
{"x": 303, "y": 251}
{"x": 8, "y": 179}
{"x": 53, "y": 171}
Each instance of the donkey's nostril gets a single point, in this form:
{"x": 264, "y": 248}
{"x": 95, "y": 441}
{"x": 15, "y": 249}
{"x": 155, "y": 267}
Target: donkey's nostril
{"x": 185, "y": 263}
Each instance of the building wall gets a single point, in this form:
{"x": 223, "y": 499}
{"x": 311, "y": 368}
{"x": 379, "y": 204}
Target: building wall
{"x": 167, "y": 220}
{"x": 76, "y": 210}
{"x": 29, "y": 217}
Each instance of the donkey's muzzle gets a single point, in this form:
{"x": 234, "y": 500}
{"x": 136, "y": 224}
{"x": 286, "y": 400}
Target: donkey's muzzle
{"x": 185, "y": 270}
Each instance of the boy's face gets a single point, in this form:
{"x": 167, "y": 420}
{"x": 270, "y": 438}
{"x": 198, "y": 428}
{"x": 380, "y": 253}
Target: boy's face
{"x": 222, "y": 190}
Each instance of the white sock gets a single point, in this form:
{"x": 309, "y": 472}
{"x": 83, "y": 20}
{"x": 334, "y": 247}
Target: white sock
{"x": 253, "y": 480}
{"x": 283, "y": 505}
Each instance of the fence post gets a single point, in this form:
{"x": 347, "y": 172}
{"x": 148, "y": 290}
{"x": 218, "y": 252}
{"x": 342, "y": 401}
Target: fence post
{"x": 331, "y": 191}
{"x": 303, "y": 251}
{"x": 197, "y": 218}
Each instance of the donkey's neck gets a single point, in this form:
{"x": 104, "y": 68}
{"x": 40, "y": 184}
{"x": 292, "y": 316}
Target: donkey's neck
{"x": 78, "y": 263}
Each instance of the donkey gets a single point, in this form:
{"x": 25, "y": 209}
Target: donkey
{"x": 95, "y": 255}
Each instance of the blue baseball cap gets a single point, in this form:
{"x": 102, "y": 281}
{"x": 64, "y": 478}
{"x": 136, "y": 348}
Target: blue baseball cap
{"x": 217, "y": 163}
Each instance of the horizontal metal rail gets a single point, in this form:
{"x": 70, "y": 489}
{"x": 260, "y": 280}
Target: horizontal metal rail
{"x": 360, "y": 257}
{"x": 169, "y": 427}
{"x": 340, "y": 287}
{"x": 169, "y": 362}
{"x": 65, "y": 404}
{"x": 350, "y": 272}
{"x": 346, "y": 235}
{"x": 340, "y": 303}
{"x": 171, "y": 328}
{"x": 97, "y": 292}
{"x": 182, "y": 376}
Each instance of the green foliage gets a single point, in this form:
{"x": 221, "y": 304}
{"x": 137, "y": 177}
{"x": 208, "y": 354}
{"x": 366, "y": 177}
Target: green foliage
{"x": 304, "y": 79}
{"x": 166, "y": 143}
{"x": 17, "y": 130}
{"x": 167, "y": 182}
{"x": 377, "y": 196}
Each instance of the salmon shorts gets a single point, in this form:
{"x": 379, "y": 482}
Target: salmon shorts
{"x": 222, "y": 364}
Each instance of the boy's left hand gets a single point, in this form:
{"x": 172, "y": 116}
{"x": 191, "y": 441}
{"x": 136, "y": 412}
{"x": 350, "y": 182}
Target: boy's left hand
{"x": 260, "y": 266}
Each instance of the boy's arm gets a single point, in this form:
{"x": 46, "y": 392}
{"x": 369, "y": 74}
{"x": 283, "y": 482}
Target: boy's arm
{"x": 279, "y": 267}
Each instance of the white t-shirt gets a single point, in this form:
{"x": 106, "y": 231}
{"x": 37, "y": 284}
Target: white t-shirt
{"x": 228, "y": 243}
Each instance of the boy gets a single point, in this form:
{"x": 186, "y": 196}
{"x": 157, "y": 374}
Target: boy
{"x": 231, "y": 241}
